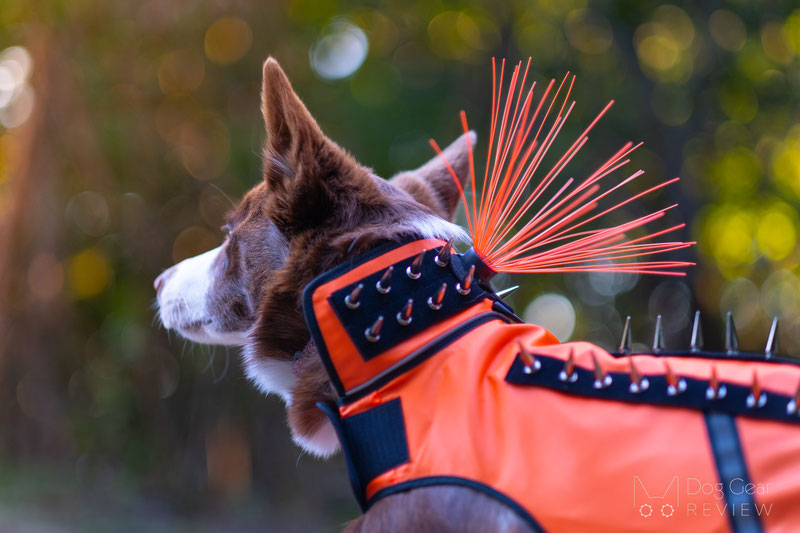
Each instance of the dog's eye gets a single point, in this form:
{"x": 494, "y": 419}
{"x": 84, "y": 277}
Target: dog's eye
{"x": 227, "y": 229}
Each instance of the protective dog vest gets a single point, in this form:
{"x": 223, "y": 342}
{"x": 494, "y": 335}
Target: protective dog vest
{"x": 571, "y": 437}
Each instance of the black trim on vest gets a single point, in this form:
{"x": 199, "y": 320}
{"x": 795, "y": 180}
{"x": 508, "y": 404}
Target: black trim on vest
{"x": 732, "y": 470}
{"x": 461, "y": 482}
{"x": 693, "y": 397}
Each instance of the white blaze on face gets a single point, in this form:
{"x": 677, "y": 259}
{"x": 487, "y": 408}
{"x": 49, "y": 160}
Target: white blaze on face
{"x": 183, "y": 301}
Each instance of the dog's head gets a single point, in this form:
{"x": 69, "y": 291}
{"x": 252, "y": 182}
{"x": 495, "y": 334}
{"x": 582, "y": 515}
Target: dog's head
{"x": 315, "y": 207}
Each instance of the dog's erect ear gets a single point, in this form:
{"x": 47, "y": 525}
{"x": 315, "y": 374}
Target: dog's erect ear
{"x": 290, "y": 127}
{"x": 432, "y": 185}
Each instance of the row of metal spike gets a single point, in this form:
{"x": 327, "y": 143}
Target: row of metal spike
{"x": 696, "y": 343}
{"x": 639, "y": 383}
{"x": 413, "y": 271}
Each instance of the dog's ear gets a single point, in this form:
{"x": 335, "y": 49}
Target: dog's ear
{"x": 432, "y": 185}
{"x": 305, "y": 172}
{"x": 291, "y": 130}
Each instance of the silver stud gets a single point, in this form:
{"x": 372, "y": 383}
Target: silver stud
{"x": 793, "y": 408}
{"x": 465, "y": 286}
{"x": 697, "y": 334}
{"x": 373, "y": 333}
{"x": 602, "y": 379}
{"x": 404, "y": 316}
{"x": 772, "y": 340}
{"x": 568, "y": 373}
{"x": 384, "y": 284}
{"x": 715, "y": 390}
{"x": 414, "y": 270}
{"x": 757, "y": 396}
{"x": 351, "y": 300}
{"x": 639, "y": 383}
{"x": 625, "y": 342}
{"x": 658, "y": 336}
{"x": 731, "y": 339}
{"x": 675, "y": 384}
{"x": 435, "y": 301}
{"x": 530, "y": 363}
{"x": 443, "y": 257}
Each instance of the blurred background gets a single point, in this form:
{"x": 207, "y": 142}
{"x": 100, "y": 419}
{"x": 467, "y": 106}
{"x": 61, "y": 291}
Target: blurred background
{"x": 125, "y": 127}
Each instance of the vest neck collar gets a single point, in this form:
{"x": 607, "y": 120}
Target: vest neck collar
{"x": 357, "y": 313}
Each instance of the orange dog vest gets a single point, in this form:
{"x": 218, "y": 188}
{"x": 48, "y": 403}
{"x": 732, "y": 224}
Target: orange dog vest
{"x": 453, "y": 389}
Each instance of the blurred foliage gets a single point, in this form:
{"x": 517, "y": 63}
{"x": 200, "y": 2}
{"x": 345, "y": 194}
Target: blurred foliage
{"x": 130, "y": 119}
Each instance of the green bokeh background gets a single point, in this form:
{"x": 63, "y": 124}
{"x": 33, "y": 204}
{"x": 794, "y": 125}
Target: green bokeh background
{"x": 137, "y": 121}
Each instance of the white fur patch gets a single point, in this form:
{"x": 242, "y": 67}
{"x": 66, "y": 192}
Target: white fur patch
{"x": 433, "y": 227}
{"x": 323, "y": 442}
{"x": 182, "y": 302}
{"x": 271, "y": 376}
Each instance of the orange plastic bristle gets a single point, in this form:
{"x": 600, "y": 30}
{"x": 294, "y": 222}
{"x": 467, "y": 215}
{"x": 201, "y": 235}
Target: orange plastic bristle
{"x": 554, "y": 237}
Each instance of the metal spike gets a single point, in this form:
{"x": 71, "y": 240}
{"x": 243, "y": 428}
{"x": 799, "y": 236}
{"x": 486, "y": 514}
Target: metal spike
{"x": 675, "y": 384}
{"x": 793, "y": 408}
{"x": 435, "y": 301}
{"x": 465, "y": 286}
{"x": 414, "y": 270}
{"x": 697, "y": 334}
{"x": 602, "y": 379}
{"x": 531, "y": 364}
{"x": 757, "y": 396}
{"x": 731, "y": 339}
{"x": 373, "y": 333}
{"x": 443, "y": 257}
{"x": 658, "y": 336}
{"x": 568, "y": 373}
{"x": 772, "y": 340}
{"x": 384, "y": 284}
{"x": 715, "y": 390}
{"x": 639, "y": 383}
{"x": 351, "y": 300}
{"x": 625, "y": 342}
{"x": 505, "y": 292}
{"x": 404, "y": 316}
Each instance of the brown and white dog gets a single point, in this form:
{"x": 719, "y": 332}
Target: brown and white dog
{"x": 315, "y": 208}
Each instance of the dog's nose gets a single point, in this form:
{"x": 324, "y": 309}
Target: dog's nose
{"x": 162, "y": 279}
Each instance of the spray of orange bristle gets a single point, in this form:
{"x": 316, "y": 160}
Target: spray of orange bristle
{"x": 554, "y": 238}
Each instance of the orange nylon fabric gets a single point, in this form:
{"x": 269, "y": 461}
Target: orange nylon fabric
{"x": 572, "y": 463}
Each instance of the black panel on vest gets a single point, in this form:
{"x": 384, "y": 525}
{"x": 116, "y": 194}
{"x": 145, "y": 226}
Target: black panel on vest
{"x": 376, "y": 440}
{"x": 694, "y": 397}
{"x": 373, "y": 303}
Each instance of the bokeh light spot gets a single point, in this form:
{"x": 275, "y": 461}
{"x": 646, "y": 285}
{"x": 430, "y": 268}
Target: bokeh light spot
{"x": 588, "y": 31}
{"x": 340, "y": 50}
{"x": 553, "y": 312}
{"x": 227, "y": 40}
{"x": 727, "y": 30}
{"x": 88, "y": 211}
{"x": 777, "y": 232}
{"x": 181, "y": 72}
{"x": 89, "y": 273}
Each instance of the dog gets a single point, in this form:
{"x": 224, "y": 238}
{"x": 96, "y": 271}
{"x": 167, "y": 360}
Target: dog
{"x": 318, "y": 210}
